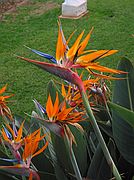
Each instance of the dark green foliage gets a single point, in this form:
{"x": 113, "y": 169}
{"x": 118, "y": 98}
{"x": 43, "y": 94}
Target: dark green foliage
{"x": 99, "y": 168}
{"x": 124, "y": 96}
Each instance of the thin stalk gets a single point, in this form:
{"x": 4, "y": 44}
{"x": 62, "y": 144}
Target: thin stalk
{"x": 73, "y": 160}
{"x": 100, "y": 137}
{"x": 107, "y": 108}
{"x": 129, "y": 93}
{"x": 24, "y": 178}
{"x": 75, "y": 166}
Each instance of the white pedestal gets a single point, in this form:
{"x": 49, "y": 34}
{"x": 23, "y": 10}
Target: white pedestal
{"x": 74, "y": 8}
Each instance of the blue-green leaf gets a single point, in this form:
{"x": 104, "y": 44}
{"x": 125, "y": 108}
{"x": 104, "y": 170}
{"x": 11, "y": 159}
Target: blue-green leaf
{"x": 125, "y": 113}
{"x": 123, "y": 95}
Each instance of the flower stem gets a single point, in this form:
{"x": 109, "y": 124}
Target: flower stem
{"x": 73, "y": 159}
{"x": 100, "y": 137}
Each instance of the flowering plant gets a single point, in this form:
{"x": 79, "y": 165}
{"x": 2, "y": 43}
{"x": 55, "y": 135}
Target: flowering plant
{"x": 71, "y": 125}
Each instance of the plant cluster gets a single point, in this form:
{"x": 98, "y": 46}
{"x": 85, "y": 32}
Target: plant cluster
{"x": 86, "y": 133}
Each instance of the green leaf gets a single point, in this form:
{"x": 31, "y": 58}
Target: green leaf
{"x": 52, "y": 89}
{"x": 44, "y": 165}
{"x": 123, "y": 95}
{"x": 63, "y": 152}
{"x": 99, "y": 168}
{"x": 62, "y": 162}
{"x": 59, "y": 171}
{"x": 80, "y": 150}
{"x": 125, "y": 113}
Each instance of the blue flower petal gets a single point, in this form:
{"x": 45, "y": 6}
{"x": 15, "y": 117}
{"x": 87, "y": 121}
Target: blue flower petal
{"x": 47, "y": 56}
{"x": 8, "y": 133}
{"x": 15, "y": 130}
{"x": 9, "y": 160}
{"x": 43, "y": 110}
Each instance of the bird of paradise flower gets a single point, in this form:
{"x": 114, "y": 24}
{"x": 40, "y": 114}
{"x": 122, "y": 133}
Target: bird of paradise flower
{"x": 60, "y": 116}
{"x": 16, "y": 142}
{"x": 74, "y": 57}
{"x": 4, "y": 109}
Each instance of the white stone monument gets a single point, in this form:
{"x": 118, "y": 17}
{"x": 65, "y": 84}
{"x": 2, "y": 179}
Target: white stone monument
{"x": 74, "y": 8}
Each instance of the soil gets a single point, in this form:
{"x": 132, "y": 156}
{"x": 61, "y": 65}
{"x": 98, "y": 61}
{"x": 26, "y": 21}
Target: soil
{"x": 11, "y": 5}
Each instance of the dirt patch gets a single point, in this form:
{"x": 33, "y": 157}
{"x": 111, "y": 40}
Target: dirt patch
{"x": 10, "y": 5}
{"x": 41, "y": 8}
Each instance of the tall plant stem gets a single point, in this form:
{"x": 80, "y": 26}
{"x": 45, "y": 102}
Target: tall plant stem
{"x": 100, "y": 137}
{"x": 73, "y": 159}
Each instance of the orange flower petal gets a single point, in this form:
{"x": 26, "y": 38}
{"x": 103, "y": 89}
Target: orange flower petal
{"x": 88, "y": 58}
{"x": 30, "y": 176}
{"x": 41, "y": 150}
{"x": 19, "y": 136}
{"x": 103, "y": 76}
{"x": 56, "y": 106}
{"x": 72, "y": 51}
{"x": 61, "y": 46}
{"x": 2, "y": 90}
{"x": 5, "y": 135}
{"x": 63, "y": 114}
{"x": 63, "y": 91}
{"x": 104, "y": 69}
{"x": 49, "y": 107}
{"x": 84, "y": 43}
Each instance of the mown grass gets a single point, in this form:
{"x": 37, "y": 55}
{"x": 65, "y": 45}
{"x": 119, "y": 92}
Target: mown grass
{"x": 113, "y": 29}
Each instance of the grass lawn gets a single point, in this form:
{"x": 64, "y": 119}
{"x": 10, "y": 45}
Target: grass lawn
{"x": 35, "y": 25}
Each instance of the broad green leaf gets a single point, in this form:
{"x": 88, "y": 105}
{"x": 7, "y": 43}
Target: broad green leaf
{"x": 123, "y": 95}
{"x": 59, "y": 171}
{"x": 99, "y": 168}
{"x": 124, "y": 113}
{"x": 44, "y": 165}
{"x": 63, "y": 152}
{"x": 80, "y": 150}
{"x": 62, "y": 161}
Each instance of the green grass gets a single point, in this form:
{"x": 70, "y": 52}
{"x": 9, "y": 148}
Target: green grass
{"x": 113, "y": 29}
